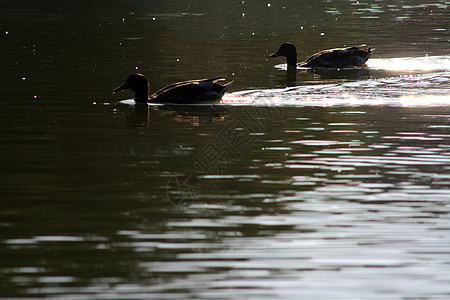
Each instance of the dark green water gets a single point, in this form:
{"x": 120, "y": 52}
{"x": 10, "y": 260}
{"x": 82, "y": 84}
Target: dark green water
{"x": 317, "y": 185}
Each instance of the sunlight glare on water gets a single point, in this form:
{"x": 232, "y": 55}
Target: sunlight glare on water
{"x": 427, "y": 64}
{"x": 312, "y": 184}
{"x": 429, "y": 85}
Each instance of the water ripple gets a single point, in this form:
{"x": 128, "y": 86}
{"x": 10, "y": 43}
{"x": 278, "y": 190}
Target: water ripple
{"x": 430, "y": 89}
{"x": 425, "y": 81}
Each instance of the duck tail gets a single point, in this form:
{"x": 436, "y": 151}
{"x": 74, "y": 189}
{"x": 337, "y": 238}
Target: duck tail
{"x": 219, "y": 90}
{"x": 369, "y": 49}
{"x": 369, "y": 52}
{"x": 225, "y": 88}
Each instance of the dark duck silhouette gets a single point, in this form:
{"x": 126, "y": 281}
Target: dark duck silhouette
{"x": 331, "y": 58}
{"x": 185, "y": 92}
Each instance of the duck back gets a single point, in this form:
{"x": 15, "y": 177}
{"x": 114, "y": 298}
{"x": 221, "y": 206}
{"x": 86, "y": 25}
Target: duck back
{"x": 192, "y": 91}
{"x": 339, "y": 58}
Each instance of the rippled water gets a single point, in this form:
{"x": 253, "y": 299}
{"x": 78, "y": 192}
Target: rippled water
{"x": 327, "y": 184}
{"x": 401, "y": 90}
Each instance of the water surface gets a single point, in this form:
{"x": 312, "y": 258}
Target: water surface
{"x": 315, "y": 185}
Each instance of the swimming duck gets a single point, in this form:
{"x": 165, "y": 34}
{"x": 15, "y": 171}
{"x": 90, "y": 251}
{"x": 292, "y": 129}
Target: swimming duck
{"x": 331, "y": 58}
{"x": 186, "y": 92}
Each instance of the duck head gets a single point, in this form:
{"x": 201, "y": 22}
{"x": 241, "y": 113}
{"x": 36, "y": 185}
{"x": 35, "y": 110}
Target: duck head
{"x": 289, "y": 51}
{"x": 138, "y": 84}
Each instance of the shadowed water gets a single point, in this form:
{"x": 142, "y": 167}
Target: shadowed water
{"x": 325, "y": 184}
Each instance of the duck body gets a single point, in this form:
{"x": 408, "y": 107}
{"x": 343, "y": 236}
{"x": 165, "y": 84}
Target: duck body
{"x": 332, "y": 58}
{"x": 185, "y": 92}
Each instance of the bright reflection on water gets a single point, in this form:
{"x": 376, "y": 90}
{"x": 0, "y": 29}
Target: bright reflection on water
{"x": 428, "y": 63}
{"x": 429, "y": 86}
{"x": 325, "y": 184}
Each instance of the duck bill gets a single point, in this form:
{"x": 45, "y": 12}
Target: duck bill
{"x": 120, "y": 88}
{"x": 276, "y": 54}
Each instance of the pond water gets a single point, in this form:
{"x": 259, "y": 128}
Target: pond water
{"x": 330, "y": 184}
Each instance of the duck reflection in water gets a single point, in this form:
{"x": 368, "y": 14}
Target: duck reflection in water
{"x": 345, "y": 73}
{"x": 143, "y": 114}
{"x": 294, "y": 77}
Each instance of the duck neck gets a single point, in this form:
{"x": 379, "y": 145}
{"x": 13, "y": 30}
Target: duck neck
{"x": 291, "y": 61}
{"x": 141, "y": 94}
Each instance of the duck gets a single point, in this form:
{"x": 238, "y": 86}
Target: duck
{"x": 332, "y": 58}
{"x": 185, "y": 92}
